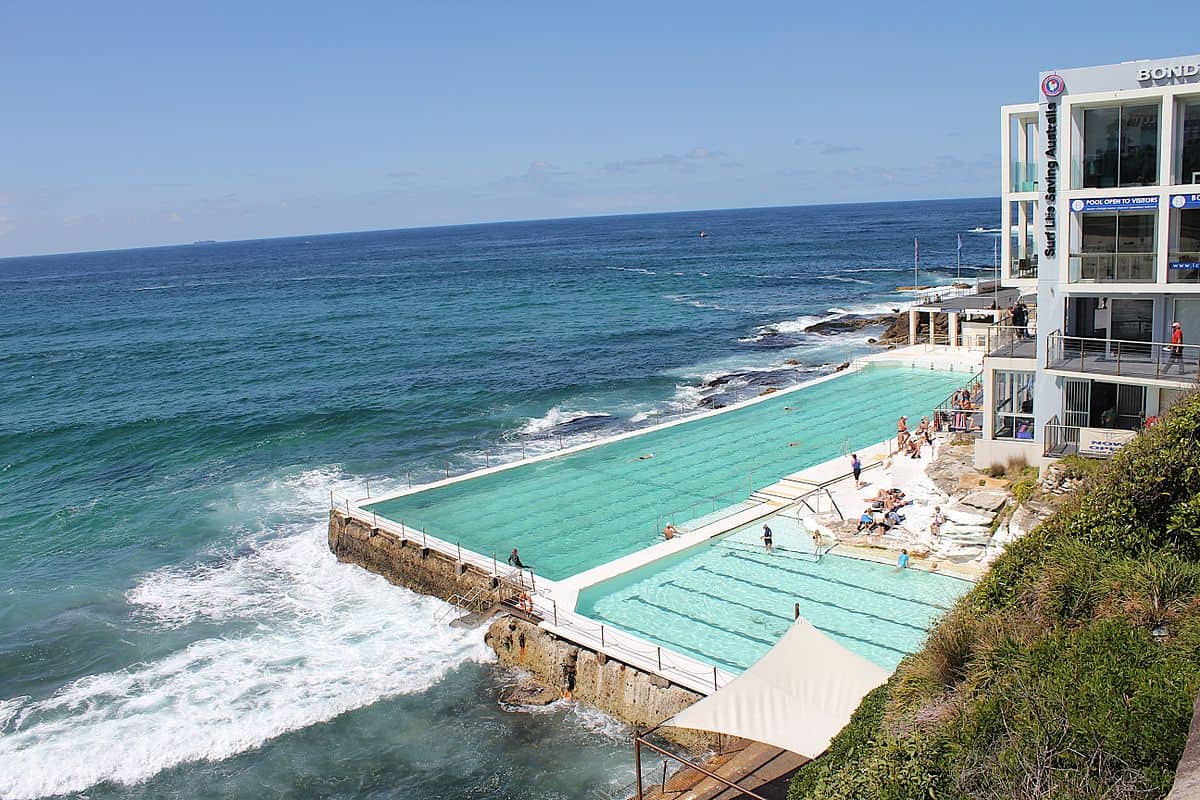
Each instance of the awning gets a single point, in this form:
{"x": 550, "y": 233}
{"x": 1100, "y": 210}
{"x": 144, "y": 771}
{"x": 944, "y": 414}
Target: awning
{"x": 797, "y": 696}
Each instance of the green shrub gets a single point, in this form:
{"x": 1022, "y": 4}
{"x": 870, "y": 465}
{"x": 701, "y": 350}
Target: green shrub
{"x": 1070, "y": 670}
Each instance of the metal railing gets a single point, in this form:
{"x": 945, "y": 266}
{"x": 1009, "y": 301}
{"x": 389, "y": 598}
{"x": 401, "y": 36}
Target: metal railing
{"x": 629, "y": 649}
{"x": 706, "y": 510}
{"x": 954, "y": 415}
{"x": 1059, "y": 440}
{"x": 626, "y": 648}
{"x": 1008, "y": 341}
{"x": 1112, "y": 268}
{"x": 935, "y": 296}
{"x": 1123, "y": 358}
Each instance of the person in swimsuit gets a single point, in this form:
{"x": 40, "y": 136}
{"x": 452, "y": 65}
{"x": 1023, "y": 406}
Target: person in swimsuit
{"x": 856, "y": 468}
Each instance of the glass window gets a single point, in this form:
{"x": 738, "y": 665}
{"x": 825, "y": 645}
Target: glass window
{"x": 1185, "y": 252}
{"x": 1139, "y": 146}
{"x": 1013, "y": 409}
{"x": 1116, "y": 246}
{"x": 1101, "y": 139}
{"x": 1189, "y": 142}
{"x": 1120, "y": 147}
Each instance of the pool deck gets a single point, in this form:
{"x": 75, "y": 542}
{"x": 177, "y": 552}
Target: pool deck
{"x": 555, "y": 601}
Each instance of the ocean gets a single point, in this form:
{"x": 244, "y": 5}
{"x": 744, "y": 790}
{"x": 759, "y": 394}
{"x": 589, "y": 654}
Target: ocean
{"x": 174, "y": 419}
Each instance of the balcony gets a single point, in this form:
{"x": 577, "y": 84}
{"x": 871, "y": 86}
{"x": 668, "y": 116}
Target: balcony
{"x": 1070, "y": 440}
{"x": 1178, "y": 364}
{"x": 1183, "y": 267}
{"x": 1005, "y": 341}
{"x": 1022, "y": 268}
{"x": 1112, "y": 268}
{"x": 1024, "y": 176}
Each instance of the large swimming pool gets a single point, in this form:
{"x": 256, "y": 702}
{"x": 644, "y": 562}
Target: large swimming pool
{"x": 728, "y": 601}
{"x": 583, "y": 509}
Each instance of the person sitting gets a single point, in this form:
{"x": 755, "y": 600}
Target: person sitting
{"x": 867, "y": 520}
{"x": 670, "y": 531}
{"x": 936, "y": 522}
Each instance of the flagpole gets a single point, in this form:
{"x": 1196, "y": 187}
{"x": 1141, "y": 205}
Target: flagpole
{"x": 958, "y": 258}
{"x": 916, "y": 261}
{"x": 996, "y": 272}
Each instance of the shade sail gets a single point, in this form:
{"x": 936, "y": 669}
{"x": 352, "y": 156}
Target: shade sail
{"x": 796, "y": 697}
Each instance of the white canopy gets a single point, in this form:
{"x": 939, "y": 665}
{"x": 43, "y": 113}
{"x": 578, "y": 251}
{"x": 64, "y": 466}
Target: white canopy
{"x": 796, "y": 697}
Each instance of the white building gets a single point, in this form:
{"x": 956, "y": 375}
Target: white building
{"x": 1101, "y": 205}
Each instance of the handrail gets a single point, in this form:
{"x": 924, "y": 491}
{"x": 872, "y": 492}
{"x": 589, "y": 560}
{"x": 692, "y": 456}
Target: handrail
{"x": 1142, "y": 359}
{"x": 680, "y": 669}
{"x": 639, "y": 741}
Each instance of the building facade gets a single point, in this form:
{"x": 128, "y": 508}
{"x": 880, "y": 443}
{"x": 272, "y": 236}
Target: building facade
{"x": 1100, "y": 189}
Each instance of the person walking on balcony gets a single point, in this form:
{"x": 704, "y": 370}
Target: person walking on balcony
{"x": 1176, "y": 346}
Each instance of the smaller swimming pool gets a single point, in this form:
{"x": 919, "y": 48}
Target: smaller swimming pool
{"x": 728, "y": 601}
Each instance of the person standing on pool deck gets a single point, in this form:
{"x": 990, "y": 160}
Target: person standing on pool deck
{"x": 902, "y": 562}
{"x": 856, "y": 468}
{"x": 768, "y": 539}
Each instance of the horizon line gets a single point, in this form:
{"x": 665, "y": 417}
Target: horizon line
{"x": 607, "y": 215}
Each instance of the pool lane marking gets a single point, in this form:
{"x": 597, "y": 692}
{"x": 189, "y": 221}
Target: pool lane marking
{"x": 671, "y": 643}
{"x": 709, "y": 624}
{"x": 814, "y": 576}
{"x": 826, "y": 603}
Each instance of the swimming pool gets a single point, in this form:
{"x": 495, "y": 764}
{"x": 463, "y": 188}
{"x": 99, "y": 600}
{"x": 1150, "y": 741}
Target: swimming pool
{"x": 726, "y": 602}
{"x": 577, "y": 511}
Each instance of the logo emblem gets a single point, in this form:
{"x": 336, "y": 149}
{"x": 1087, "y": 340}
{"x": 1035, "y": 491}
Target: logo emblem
{"x": 1077, "y": 205}
{"x": 1053, "y": 85}
{"x": 1178, "y": 201}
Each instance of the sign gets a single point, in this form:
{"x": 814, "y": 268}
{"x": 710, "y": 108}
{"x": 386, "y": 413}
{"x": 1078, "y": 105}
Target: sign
{"x": 1185, "y": 201}
{"x": 1149, "y": 203}
{"x": 1183, "y": 265}
{"x": 1172, "y": 73}
{"x": 1102, "y": 442}
{"x": 1050, "y": 132}
{"x": 1053, "y": 85}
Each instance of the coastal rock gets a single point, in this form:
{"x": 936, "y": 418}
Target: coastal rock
{"x": 986, "y": 500}
{"x": 847, "y": 324}
{"x": 529, "y": 692}
{"x": 967, "y": 516}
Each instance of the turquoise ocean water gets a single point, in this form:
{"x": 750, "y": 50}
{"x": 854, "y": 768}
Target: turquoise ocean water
{"x": 173, "y": 420}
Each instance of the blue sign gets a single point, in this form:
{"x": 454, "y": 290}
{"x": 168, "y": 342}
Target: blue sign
{"x": 1184, "y": 265}
{"x": 1185, "y": 201}
{"x": 1114, "y": 204}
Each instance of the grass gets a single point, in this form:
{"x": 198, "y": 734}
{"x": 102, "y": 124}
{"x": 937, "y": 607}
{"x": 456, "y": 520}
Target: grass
{"x": 1070, "y": 670}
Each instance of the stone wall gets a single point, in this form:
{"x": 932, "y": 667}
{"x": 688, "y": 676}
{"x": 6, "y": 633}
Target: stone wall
{"x": 632, "y": 696}
{"x": 404, "y": 562}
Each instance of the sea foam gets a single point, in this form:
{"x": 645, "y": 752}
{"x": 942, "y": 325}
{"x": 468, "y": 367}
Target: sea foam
{"x": 305, "y": 639}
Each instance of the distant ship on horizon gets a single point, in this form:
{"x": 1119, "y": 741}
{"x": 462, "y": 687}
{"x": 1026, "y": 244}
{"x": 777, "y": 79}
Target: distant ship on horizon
{"x": 205, "y": 241}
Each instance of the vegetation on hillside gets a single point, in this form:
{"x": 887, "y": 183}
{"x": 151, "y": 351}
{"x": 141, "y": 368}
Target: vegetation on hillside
{"x": 1069, "y": 671}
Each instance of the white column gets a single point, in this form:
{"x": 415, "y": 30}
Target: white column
{"x": 953, "y": 327}
{"x": 912, "y": 326}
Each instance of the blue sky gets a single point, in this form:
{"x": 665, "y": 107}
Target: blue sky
{"x": 131, "y": 124}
